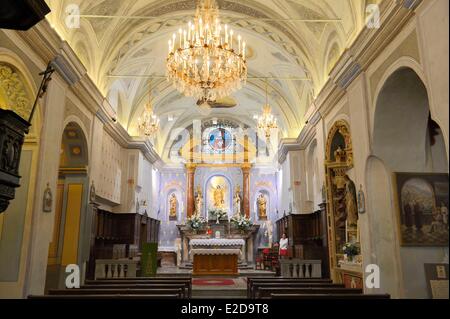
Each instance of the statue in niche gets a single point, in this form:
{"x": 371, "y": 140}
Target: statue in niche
{"x": 351, "y": 202}
{"x": 219, "y": 197}
{"x": 48, "y": 200}
{"x": 324, "y": 193}
{"x": 361, "y": 200}
{"x": 338, "y": 191}
{"x": 340, "y": 155}
{"x": 173, "y": 206}
{"x": 199, "y": 202}
{"x": 237, "y": 202}
{"x": 262, "y": 206}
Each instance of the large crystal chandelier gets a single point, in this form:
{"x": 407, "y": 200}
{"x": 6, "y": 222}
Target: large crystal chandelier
{"x": 207, "y": 60}
{"x": 267, "y": 121}
{"x": 148, "y": 124}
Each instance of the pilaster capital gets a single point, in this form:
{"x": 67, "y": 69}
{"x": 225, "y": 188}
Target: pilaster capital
{"x": 246, "y": 167}
{"x": 191, "y": 167}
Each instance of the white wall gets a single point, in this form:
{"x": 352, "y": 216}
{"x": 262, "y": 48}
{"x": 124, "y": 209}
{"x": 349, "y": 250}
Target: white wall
{"x": 285, "y": 193}
{"x": 396, "y": 146}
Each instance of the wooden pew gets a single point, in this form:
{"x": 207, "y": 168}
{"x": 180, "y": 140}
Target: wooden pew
{"x": 282, "y": 281}
{"x": 105, "y": 297}
{"x": 328, "y": 296}
{"x": 123, "y": 291}
{"x": 256, "y": 286}
{"x": 264, "y": 293}
{"x": 187, "y": 277}
{"x": 149, "y": 281}
{"x": 251, "y": 280}
{"x": 183, "y": 286}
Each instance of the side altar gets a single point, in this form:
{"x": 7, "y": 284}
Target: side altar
{"x": 231, "y": 244}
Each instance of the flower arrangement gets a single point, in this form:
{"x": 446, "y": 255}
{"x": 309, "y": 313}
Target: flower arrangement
{"x": 218, "y": 213}
{"x": 241, "y": 222}
{"x": 351, "y": 250}
{"x": 196, "y": 222}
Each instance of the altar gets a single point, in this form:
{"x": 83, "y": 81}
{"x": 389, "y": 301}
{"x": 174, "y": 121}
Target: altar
{"x": 216, "y": 256}
{"x": 232, "y": 245}
{"x": 218, "y": 236}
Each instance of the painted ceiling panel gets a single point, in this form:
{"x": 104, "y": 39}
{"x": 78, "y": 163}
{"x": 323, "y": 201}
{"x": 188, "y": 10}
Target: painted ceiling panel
{"x": 123, "y": 42}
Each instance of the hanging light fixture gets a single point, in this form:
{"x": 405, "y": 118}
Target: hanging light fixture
{"x": 267, "y": 120}
{"x": 148, "y": 124}
{"x": 203, "y": 60}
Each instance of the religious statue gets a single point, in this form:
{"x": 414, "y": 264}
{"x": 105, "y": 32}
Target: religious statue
{"x": 361, "y": 201}
{"x": 219, "y": 197}
{"x": 350, "y": 202}
{"x": 262, "y": 206}
{"x": 340, "y": 155}
{"x": 48, "y": 200}
{"x": 237, "y": 202}
{"x": 173, "y": 204}
{"x": 199, "y": 202}
{"x": 92, "y": 194}
{"x": 324, "y": 193}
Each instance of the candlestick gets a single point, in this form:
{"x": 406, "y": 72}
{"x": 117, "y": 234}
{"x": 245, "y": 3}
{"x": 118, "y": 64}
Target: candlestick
{"x": 226, "y": 34}
{"x": 231, "y": 39}
{"x": 189, "y": 31}
{"x": 239, "y": 39}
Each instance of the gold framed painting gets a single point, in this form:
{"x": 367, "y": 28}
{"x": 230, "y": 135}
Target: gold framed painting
{"x": 422, "y": 207}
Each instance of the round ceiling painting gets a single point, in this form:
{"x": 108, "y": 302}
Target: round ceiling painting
{"x": 220, "y": 139}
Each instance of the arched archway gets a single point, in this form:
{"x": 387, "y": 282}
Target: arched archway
{"x": 70, "y": 243}
{"x": 405, "y": 139}
{"x": 401, "y": 116}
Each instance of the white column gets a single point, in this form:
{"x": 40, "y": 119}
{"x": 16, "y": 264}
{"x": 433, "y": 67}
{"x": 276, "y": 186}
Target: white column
{"x": 359, "y": 126}
{"x": 49, "y": 155}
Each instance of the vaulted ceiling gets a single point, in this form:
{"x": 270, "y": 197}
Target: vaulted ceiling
{"x": 122, "y": 43}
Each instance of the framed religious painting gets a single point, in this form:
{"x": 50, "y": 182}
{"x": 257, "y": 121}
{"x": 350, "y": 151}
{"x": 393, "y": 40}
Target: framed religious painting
{"x": 422, "y": 204}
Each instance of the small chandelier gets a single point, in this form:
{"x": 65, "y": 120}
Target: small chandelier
{"x": 267, "y": 120}
{"x": 148, "y": 124}
{"x": 203, "y": 61}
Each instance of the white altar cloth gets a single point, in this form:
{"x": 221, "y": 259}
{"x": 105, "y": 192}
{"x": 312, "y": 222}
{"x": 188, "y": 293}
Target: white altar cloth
{"x": 216, "y": 242}
{"x": 213, "y": 252}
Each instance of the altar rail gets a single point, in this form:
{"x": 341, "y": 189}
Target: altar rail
{"x": 298, "y": 268}
{"x": 115, "y": 268}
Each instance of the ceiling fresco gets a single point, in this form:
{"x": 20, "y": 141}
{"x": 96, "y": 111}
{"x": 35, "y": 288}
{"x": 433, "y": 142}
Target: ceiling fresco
{"x": 293, "y": 45}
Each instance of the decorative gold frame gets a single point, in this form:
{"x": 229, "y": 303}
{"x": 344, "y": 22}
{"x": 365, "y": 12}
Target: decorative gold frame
{"x": 331, "y": 168}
